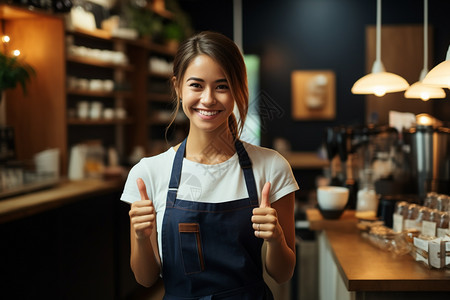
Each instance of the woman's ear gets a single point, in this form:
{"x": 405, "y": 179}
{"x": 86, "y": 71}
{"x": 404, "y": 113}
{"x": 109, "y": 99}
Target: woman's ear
{"x": 175, "y": 87}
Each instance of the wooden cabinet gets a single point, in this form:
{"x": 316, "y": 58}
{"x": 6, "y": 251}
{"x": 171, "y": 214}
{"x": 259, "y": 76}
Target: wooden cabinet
{"x": 47, "y": 117}
{"x": 38, "y": 117}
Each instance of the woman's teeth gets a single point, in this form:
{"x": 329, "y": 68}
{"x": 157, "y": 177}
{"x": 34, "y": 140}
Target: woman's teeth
{"x": 208, "y": 113}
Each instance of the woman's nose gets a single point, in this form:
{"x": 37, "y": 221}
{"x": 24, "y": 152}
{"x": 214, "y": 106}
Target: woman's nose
{"x": 208, "y": 98}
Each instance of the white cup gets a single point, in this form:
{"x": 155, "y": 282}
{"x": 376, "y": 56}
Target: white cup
{"x": 96, "y": 110}
{"x": 47, "y": 163}
{"x": 120, "y": 113}
{"x": 332, "y": 197}
{"x": 108, "y": 85}
{"x": 108, "y": 113}
{"x": 96, "y": 84}
{"x": 83, "y": 109}
{"x": 83, "y": 83}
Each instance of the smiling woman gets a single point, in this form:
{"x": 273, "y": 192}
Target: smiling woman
{"x": 207, "y": 99}
{"x": 209, "y": 235}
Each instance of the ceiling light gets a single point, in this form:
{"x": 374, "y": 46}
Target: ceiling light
{"x": 379, "y": 82}
{"x": 419, "y": 89}
{"x": 440, "y": 75}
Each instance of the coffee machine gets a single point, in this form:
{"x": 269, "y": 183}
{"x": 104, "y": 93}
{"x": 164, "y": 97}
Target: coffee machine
{"x": 430, "y": 149}
{"x": 375, "y": 149}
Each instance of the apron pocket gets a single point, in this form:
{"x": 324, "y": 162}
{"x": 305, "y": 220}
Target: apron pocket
{"x": 191, "y": 247}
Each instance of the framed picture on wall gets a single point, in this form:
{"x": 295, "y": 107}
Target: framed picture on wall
{"x": 313, "y": 95}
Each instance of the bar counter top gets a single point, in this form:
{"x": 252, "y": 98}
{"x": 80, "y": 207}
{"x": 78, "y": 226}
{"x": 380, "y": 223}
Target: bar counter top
{"x": 364, "y": 267}
{"x": 21, "y": 206}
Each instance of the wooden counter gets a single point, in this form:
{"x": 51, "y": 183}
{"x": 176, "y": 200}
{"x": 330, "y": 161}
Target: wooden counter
{"x": 305, "y": 160}
{"x": 29, "y": 204}
{"x": 365, "y": 268}
{"x": 70, "y": 241}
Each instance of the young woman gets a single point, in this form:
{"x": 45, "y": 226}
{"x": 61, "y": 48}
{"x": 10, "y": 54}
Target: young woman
{"x": 201, "y": 211}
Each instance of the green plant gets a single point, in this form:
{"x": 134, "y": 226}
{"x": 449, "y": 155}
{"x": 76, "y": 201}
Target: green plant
{"x": 144, "y": 21}
{"x": 173, "y": 31}
{"x": 13, "y": 71}
{"x": 181, "y": 20}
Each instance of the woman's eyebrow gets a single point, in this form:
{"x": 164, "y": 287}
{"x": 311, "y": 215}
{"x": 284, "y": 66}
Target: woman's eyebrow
{"x": 194, "y": 79}
{"x": 201, "y": 80}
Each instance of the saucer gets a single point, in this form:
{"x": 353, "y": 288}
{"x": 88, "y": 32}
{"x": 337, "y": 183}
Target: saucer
{"x": 331, "y": 214}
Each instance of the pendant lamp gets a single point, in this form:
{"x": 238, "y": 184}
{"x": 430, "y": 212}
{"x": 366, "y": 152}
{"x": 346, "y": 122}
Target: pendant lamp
{"x": 420, "y": 90}
{"x": 440, "y": 75}
{"x": 379, "y": 82}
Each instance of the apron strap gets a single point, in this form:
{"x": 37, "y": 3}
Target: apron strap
{"x": 176, "y": 174}
{"x": 246, "y": 165}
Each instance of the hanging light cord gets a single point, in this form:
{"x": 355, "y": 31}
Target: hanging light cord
{"x": 425, "y": 37}
{"x": 378, "y": 54}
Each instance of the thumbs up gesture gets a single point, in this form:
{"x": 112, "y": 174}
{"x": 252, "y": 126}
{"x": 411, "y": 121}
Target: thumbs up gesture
{"x": 142, "y": 213}
{"x": 265, "y": 219}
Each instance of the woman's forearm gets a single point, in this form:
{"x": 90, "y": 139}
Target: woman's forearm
{"x": 143, "y": 261}
{"x": 280, "y": 261}
{"x": 280, "y": 253}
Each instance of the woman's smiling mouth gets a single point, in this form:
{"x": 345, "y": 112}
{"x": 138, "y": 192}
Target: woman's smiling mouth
{"x": 207, "y": 113}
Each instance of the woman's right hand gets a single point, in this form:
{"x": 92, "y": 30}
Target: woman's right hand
{"x": 142, "y": 213}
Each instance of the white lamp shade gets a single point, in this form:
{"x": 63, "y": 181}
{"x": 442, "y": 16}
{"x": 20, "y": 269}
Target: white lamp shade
{"x": 439, "y": 75}
{"x": 419, "y": 90}
{"x": 379, "y": 84}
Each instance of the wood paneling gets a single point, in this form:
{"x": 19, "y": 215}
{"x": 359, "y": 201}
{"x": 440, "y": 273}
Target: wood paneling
{"x": 38, "y": 117}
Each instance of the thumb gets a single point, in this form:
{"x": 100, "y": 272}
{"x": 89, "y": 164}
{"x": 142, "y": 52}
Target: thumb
{"x": 142, "y": 189}
{"x": 265, "y": 196}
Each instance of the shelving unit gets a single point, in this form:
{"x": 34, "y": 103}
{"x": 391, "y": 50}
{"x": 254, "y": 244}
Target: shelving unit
{"x": 46, "y": 117}
{"x": 100, "y": 56}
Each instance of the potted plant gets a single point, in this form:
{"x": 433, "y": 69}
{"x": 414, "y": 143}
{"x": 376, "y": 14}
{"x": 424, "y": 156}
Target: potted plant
{"x": 173, "y": 34}
{"x": 13, "y": 72}
{"x": 144, "y": 21}
{"x": 179, "y": 28}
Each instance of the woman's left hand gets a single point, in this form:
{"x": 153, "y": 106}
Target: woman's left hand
{"x": 265, "y": 219}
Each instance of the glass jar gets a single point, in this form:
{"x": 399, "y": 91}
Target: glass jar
{"x": 401, "y": 208}
{"x": 443, "y": 203}
{"x": 425, "y": 223}
{"x": 443, "y": 224}
{"x": 431, "y": 200}
{"x": 367, "y": 199}
{"x": 412, "y": 213}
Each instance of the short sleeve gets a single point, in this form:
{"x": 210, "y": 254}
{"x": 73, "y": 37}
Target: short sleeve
{"x": 281, "y": 178}
{"x": 130, "y": 192}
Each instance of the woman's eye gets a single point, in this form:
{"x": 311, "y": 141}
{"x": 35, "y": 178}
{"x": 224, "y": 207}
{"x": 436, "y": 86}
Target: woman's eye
{"x": 222, "y": 87}
{"x": 195, "y": 85}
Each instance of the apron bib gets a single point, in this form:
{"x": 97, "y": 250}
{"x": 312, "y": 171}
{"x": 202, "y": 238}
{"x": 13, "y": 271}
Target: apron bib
{"x": 209, "y": 249}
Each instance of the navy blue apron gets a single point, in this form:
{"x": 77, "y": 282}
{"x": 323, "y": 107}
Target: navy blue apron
{"x": 209, "y": 249}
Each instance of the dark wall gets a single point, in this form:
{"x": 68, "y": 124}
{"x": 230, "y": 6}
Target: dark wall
{"x": 312, "y": 35}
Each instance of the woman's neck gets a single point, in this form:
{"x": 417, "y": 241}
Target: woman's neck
{"x": 210, "y": 148}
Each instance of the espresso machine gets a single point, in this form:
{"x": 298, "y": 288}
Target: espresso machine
{"x": 375, "y": 149}
{"x": 430, "y": 153}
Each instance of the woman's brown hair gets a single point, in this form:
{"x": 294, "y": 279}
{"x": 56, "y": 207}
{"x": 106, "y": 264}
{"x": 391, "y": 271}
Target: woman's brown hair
{"x": 225, "y": 52}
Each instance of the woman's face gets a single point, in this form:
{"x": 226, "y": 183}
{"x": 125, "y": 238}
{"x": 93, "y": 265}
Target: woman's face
{"x": 207, "y": 99}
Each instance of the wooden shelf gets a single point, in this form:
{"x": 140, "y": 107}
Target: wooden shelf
{"x": 97, "y": 33}
{"x": 152, "y": 47}
{"x": 159, "y": 97}
{"x": 12, "y": 12}
{"x": 160, "y": 75}
{"x": 143, "y": 43}
{"x": 98, "y": 63}
{"x": 90, "y": 122}
{"x": 89, "y": 93}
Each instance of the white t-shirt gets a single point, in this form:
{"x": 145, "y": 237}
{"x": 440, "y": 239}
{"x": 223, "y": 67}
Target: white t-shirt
{"x": 209, "y": 183}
